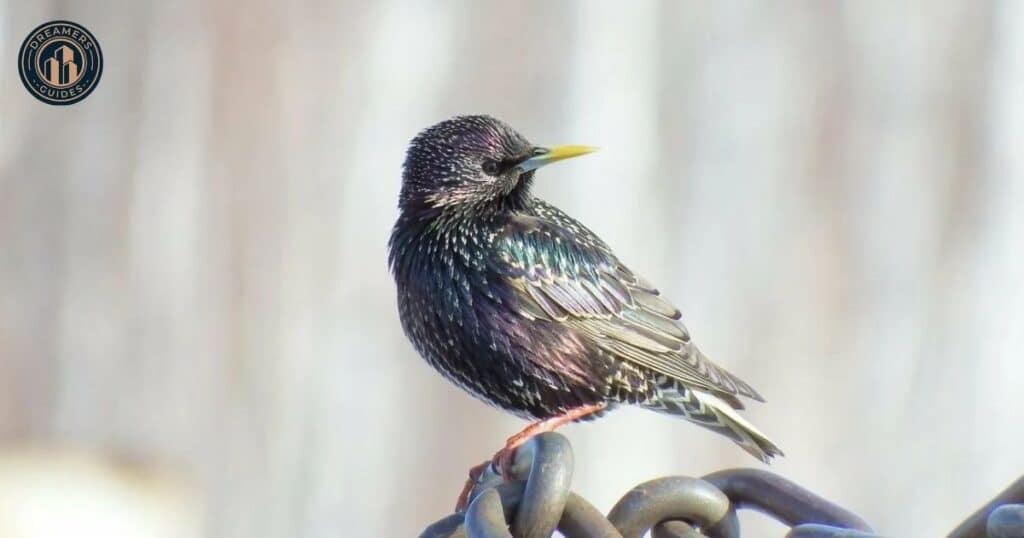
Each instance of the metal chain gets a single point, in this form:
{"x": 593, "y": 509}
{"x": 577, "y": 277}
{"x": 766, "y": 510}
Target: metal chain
{"x": 539, "y": 502}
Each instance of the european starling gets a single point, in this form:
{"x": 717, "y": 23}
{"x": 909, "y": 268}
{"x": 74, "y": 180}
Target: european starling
{"x": 527, "y": 309}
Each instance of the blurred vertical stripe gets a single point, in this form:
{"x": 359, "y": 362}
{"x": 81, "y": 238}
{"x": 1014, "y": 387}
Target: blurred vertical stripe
{"x": 192, "y": 260}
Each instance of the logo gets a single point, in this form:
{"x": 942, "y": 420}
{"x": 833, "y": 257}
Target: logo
{"x": 60, "y": 63}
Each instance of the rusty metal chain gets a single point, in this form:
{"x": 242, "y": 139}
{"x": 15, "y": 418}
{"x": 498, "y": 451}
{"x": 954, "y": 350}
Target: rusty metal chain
{"x": 539, "y": 502}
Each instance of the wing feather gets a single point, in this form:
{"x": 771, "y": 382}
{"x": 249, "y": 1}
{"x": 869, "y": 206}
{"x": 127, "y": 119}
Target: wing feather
{"x": 560, "y": 277}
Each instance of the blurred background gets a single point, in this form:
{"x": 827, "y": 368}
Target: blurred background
{"x": 198, "y": 331}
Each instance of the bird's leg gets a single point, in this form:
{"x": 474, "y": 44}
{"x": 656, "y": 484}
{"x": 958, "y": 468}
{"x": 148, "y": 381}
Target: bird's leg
{"x": 503, "y": 458}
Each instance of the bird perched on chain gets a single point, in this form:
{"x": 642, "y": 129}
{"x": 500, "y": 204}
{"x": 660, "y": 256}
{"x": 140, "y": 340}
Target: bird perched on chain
{"x": 527, "y": 309}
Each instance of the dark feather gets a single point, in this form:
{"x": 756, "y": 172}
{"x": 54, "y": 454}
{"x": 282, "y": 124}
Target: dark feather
{"x": 575, "y": 280}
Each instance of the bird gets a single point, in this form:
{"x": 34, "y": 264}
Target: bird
{"x": 527, "y": 309}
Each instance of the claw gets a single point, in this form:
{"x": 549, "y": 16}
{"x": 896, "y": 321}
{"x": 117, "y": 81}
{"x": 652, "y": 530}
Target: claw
{"x": 503, "y": 460}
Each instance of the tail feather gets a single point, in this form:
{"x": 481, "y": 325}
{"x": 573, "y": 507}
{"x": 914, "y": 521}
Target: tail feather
{"x": 713, "y": 413}
{"x": 744, "y": 433}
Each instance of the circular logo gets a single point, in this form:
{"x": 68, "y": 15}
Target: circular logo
{"x": 60, "y": 63}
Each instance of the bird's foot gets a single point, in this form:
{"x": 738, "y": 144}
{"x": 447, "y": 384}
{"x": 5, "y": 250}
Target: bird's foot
{"x": 504, "y": 458}
{"x": 474, "y": 476}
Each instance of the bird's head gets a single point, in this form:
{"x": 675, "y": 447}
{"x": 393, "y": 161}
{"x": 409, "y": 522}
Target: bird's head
{"x": 472, "y": 162}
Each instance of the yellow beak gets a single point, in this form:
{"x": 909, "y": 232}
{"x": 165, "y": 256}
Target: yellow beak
{"x": 553, "y": 154}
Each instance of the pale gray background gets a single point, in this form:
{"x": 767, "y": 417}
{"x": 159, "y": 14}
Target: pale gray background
{"x": 193, "y": 284}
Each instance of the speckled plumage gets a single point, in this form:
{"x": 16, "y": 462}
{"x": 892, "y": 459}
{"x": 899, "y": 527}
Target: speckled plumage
{"x": 528, "y": 310}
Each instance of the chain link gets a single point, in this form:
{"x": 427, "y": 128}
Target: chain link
{"x": 538, "y": 502}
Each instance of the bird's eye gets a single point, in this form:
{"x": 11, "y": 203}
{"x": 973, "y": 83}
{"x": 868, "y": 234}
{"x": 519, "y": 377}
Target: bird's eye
{"x": 491, "y": 168}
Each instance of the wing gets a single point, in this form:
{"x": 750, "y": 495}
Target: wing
{"x": 561, "y": 272}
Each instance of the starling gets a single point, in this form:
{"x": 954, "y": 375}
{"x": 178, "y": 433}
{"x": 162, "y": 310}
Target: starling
{"x": 527, "y": 309}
